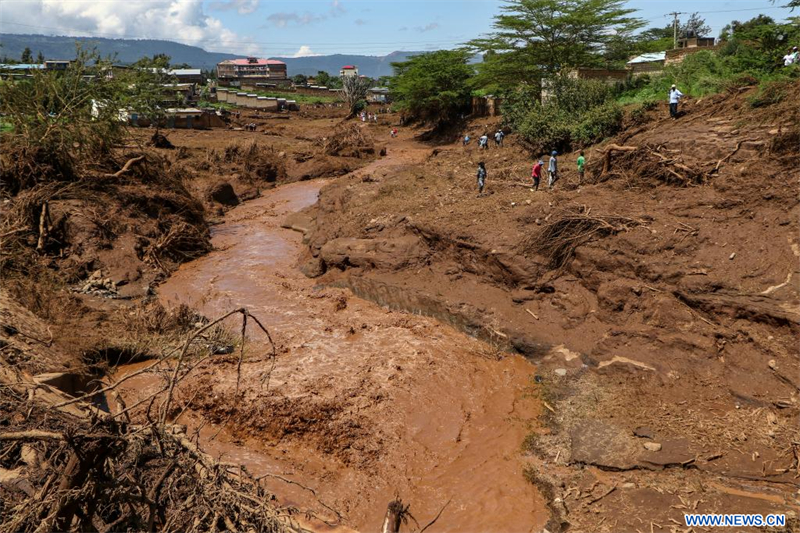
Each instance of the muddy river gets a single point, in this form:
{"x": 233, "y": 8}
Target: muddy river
{"x": 363, "y": 403}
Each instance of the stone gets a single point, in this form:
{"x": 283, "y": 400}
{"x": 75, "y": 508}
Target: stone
{"x": 628, "y": 485}
{"x": 223, "y": 193}
{"x": 644, "y": 432}
{"x": 652, "y": 446}
{"x": 772, "y": 364}
{"x": 732, "y": 256}
{"x": 602, "y": 444}
{"x": 560, "y": 372}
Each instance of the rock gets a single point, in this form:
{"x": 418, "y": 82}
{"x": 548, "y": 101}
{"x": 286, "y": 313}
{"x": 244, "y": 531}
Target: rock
{"x": 560, "y": 372}
{"x": 628, "y": 485}
{"x": 601, "y": 444}
{"x": 644, "y": 432}
{"x": 772, "y": 364}
{"x": 652, "y": 446}
{"x": 223, "y": 193}
{"x": 732, "y": 256}
{"x": 313, "y": 268}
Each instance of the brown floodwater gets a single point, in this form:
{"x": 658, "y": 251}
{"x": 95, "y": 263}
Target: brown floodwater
{"x": 438, "y": 416}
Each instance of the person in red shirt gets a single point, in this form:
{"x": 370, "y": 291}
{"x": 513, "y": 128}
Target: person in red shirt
{"x": 536, "y": 174}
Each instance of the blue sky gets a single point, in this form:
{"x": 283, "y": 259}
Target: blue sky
{"x": 305, "y": 27}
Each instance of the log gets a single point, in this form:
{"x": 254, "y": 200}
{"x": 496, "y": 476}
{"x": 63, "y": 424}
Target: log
{"x": 614, "y": 148}
{"x": 44, "y": 227}
{"x": 394, "y": 516}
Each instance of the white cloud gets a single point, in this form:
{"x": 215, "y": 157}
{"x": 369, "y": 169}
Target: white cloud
{"x": 305, "y": 51}
{"x": 428, "y": 27}
{"x": 283, "y": 19}
{"x": 243, "y": 7}
{"x": 182, "y": 21}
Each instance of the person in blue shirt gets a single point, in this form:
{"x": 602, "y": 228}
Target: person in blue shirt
{"x": 552, "y": 168}
{"x": 481, "y": 177}
{"x": 674, "y": 96}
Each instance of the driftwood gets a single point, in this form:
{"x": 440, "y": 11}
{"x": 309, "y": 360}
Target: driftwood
{"x": 126, "y": 167}
{"x": 395, "y": 515}
{"x": 44, "y": 227}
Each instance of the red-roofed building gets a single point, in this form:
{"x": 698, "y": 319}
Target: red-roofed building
{"x": 252, "y": 70}
{"x": 349, "y": 70}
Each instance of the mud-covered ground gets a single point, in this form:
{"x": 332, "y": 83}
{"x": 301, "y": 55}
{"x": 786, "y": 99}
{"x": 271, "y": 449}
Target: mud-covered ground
{"x": 653, "y": 310}
{"x": 659, "y": 299}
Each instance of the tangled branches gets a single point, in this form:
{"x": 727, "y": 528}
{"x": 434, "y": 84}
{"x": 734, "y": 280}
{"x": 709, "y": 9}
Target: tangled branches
{"x": 349, "y": 140}
{"x": 648, "y": 163}
{"x": 67, "y": 466}
{"x": 571, "y": 228}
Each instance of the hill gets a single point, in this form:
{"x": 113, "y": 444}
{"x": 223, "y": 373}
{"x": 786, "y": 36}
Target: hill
{"x": 129, "y": 50}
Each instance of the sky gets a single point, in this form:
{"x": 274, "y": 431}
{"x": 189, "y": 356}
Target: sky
{"x": 271, "y": 28}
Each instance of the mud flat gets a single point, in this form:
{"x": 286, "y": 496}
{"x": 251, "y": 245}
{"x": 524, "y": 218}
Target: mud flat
{"x": 362, "y": 403}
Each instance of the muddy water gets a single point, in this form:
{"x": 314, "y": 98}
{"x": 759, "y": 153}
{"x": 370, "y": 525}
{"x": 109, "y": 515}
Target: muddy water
{"x": 437, "y": 416}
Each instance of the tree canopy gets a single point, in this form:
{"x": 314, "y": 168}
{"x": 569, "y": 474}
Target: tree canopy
{"x": 433, "y": 87}
{"x": 532, "y": 38}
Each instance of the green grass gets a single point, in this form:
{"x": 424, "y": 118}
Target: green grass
{"x": 6, "y": 127}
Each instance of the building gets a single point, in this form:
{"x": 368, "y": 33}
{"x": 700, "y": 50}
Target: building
{"x": 610, "y": 76}
{"x": 251, "y": 70}
{"x": 184, "y": 75}
{"x": 690, "y": 46}
{"x": 378, "y": 95}
{"x": 348, "y": 70}
{"x": 652, "y": 63}
{"x": 57, "y": 64}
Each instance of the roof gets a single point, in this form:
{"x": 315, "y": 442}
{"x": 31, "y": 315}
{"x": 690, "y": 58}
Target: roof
{"x": 245, "y": 61}
{"x": 348, "y": 67}
{"x": 185, "y": 72}
{"x": 21, "y": 66}
{"x": 649, "y": 58}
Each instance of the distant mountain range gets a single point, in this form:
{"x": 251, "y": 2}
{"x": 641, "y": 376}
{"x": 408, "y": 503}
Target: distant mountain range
{"x": 129, "y": 50}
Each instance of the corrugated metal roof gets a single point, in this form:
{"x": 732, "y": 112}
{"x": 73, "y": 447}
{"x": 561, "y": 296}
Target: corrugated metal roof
{"x": 185, "y": 72}
{"x": 256, "y": 62}
{"x": 21, "y": 66}
{"x": 649, "y": 58}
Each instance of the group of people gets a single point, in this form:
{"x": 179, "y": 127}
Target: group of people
{"x": 483, "y": 140}
{"x": 369, "y": 117}
{"x": 536, "y": 173}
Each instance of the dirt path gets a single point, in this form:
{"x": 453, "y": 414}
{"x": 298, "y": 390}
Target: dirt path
{"x": 363, "y": 403}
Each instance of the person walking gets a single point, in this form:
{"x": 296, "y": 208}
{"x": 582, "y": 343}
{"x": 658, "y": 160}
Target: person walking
{"x": 674, "y": 96}
{"x": 481, "y": 177}
{"x": 581, "y": 164}
{"x": 552, "y": 168}
{"x": 483, "y": 142}
{"x": 536, "y": 173}
{"x": 466, "y": 139}
{"x": 498, "y": 138}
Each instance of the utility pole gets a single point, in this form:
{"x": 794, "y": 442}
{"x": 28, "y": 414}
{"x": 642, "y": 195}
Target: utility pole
{"x": 675, "y": 27}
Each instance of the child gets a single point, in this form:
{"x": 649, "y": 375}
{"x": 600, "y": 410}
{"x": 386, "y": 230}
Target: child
{"x": 537, "y": 174}
{"x": 581, "y": 164}
{"x": 466, "y": 139}
{"x": 481, "y": 177}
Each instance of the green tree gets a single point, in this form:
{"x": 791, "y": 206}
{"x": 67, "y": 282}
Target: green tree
{"x": 40, "y": 58}
{"x": 160, "y": 61}
{"x": 323, "y": 78}
{"x": 26, "y": 56}
{"x": 299, "y": 79}
{"x": 537, "y": 37}
{"x": 757, "y": 44}
{"x": 433, "y": 87}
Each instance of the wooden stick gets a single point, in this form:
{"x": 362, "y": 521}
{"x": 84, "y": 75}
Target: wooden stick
{"x": 532, "y": 313}
{"x": 126, "y": 167}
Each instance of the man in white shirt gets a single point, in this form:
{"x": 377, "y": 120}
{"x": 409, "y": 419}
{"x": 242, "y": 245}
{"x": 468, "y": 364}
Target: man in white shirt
{"x": 674, "y": 96}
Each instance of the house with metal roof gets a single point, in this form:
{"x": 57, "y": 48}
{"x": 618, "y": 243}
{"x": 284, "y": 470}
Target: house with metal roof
{"x": 651, "y": 63}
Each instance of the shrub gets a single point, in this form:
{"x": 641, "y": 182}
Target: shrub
{"x": 599, "y": 122}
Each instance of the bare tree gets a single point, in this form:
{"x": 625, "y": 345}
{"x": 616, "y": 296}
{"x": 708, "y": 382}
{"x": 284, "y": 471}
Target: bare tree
{"x": 695, "y": 27}
{"x": 354, "y": 91}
